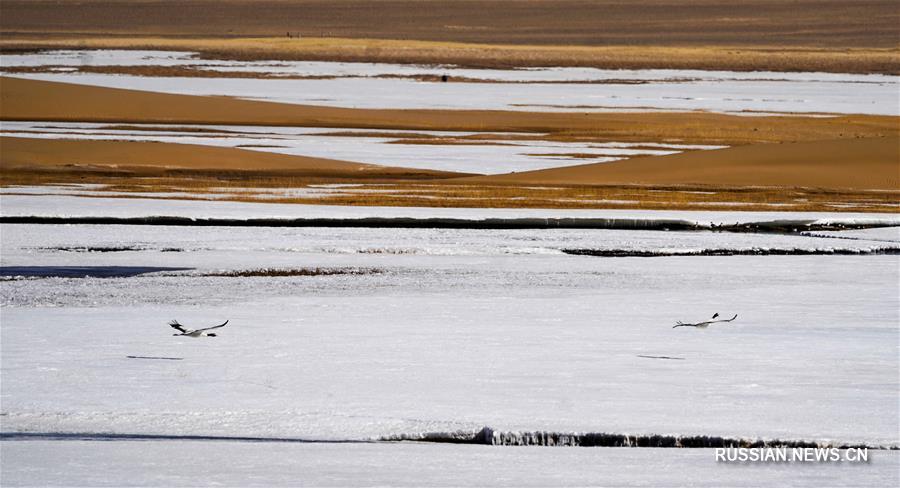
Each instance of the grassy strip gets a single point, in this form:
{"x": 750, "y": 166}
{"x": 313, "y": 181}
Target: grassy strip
{"x": 500, "y": 56}
{"x": 436, "y": 194}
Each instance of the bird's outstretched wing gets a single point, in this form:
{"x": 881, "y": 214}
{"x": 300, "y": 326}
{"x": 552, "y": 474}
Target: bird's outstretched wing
{"x": 703, "y": 325}
{"x": 700, "y": 325}
{"x": 213, "y": 327}
{"x": 175, "y": 325}
{"x": 727, "y": 320}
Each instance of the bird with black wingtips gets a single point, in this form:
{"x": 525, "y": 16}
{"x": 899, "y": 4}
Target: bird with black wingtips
{"x": 194, "y": 332}
{"x": 703, "y": 325}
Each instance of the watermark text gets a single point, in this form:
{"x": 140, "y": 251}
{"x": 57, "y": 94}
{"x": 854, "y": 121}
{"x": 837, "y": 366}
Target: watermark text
{"x": 791, "y": 455}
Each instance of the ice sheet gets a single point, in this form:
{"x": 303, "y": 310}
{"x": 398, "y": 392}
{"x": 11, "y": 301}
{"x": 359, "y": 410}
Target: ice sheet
{"x": 75, "y": 58}
{"x": 74, "y": 206}
{"x": 713, "y": 94}
{"x": 490, "y": 156}
{"x": 68, "y": 245}
{"x": 458, "y": 330}
{"x": 149, "y": 463}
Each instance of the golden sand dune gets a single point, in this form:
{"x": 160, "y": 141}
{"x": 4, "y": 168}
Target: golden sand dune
{"x": 834, "y": 164}
{"x": 34, "y": 100}
{"x": 157, "y": 158}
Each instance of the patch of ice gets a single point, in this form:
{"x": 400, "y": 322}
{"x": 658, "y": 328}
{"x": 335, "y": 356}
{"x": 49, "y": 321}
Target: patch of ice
{"x": 49, "y": 463}
{"x": 504, "y": 157}
{"x": 73, "y": 206}
{"x": 806, "y": 94}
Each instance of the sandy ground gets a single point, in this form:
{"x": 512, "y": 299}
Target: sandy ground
{"x": 857, "y": 163}
{"x": 836, "y": 160}
{"x": 40, "y": 100}
{"x": 147, "y": 158}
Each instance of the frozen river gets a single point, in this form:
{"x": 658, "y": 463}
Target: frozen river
{"x": 444, "y": 330}
{"x": 340, "y": 337}
{"x": 375, "y": 333}
{"x": 149, "y": 463}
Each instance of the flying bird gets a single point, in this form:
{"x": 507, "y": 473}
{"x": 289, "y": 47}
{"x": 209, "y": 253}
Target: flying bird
{"x": 715, "y": 315}
{"x": 194, "y": 332}
{"x": 703, "y": 325}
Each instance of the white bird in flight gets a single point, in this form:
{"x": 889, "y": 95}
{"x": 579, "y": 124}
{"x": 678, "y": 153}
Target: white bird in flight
{"x": 703, "y": 325}
{"x": 194, "y": 332}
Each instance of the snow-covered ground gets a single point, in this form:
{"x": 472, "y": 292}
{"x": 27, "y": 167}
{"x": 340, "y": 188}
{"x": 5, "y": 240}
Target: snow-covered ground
{"x": 156, "y": 463}
{"x": 488, "y": 156}
{"x": 357, "y": 86}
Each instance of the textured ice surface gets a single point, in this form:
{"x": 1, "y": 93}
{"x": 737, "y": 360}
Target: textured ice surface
{"x": 150, "y": 463}
{"x": 460, "y": 329}
{"x": 884, "y": 234}
{"x": 35, "y": 245}
{"x": 689, "y": 90}
{"x": 42, "y": 204}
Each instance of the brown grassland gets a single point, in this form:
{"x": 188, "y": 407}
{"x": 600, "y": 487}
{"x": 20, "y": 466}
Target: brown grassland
{"x": 197, "y": 185}
{"x": 802, "y": 35}
{"x": 834, "y": 23}
{"x": 735, "y": 58}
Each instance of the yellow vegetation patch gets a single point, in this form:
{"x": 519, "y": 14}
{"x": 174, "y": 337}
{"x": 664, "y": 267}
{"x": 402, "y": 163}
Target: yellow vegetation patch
{"x": 734, "y": 57}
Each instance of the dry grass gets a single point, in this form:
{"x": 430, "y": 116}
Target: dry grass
{"x": 832, "y": 23}
{"x": 728, "y": 57}
{"x": 435, "y": 194}
{"x": 290, "y": 272}
{"x": 568, "y": 155}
